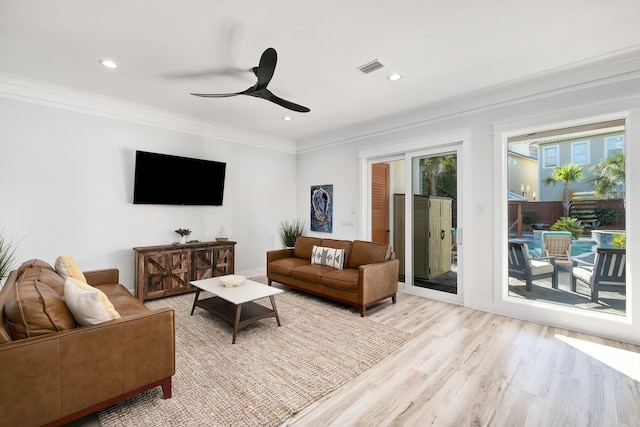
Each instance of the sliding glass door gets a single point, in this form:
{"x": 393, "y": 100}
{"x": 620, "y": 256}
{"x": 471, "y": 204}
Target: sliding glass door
{"x": 422, "y": 228}
{"x": 433, "y": 213}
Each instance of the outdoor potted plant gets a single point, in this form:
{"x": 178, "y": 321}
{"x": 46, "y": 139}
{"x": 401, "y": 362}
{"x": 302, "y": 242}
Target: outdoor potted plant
{"x": 183, "y": 233}
{"x": 289, "y": 232}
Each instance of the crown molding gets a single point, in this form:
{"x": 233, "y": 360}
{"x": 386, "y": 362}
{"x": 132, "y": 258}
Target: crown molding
{"x": 24, "y": 89}
{"x": 614, "y": 67}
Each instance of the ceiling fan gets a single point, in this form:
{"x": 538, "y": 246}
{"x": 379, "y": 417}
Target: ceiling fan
{"x": 264, "y": 72}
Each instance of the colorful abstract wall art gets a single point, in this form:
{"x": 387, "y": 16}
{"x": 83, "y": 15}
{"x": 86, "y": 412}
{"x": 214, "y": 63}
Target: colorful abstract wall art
{"x": 322, "y": 208}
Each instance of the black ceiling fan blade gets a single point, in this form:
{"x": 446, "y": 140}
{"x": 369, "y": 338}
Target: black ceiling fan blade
{"x": 216, "y": 95}
{"x": 208, "y": 72}
{"x": 264, "y": 71}
{"x": 284, "y": 103}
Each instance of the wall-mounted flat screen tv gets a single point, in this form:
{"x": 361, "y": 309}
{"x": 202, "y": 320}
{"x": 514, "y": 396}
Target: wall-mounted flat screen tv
{"x": 162, "y": 179}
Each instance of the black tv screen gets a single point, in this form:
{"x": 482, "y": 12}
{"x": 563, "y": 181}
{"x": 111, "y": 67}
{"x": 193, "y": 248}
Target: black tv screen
{"x": 161, "y": 179}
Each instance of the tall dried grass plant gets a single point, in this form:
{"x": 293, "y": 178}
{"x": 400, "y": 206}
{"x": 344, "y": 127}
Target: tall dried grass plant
{"x": 7, "y": 252}
{"x": 289, "y": 232}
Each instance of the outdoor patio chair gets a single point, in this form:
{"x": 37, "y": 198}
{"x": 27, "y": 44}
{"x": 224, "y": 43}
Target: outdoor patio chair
{"x": 523, "y": 267}
{"x": 558, "y": 245}
{"x": 606, "y": 273}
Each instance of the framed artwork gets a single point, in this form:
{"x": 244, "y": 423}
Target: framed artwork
{"x": 322, "y": 208}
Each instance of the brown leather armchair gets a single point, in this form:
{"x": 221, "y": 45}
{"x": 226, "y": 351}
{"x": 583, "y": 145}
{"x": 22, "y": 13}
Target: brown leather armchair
{"x": 55, "y": 378}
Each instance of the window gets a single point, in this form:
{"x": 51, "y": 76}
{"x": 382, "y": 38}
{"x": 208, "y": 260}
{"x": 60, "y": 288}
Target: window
{"x": 550, "y": 157}
{"x": 613, "y": 144}
{"x": 580, "y": 153}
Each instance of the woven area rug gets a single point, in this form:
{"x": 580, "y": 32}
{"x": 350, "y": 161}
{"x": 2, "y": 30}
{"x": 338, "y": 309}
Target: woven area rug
{"x": 268, "y": 375}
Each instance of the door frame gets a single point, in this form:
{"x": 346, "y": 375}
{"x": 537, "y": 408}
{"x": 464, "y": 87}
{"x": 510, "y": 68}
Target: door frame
{"x": 457, "y": 141}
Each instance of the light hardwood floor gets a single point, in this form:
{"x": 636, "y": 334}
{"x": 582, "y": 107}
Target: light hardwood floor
{"x": 470, "y": 368}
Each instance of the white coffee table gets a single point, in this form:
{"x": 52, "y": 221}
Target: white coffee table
{"x": 235, "y": 305}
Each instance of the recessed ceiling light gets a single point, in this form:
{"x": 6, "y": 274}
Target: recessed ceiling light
{"x": 108, "y": 63}
{"x": 394, "y": 77}
{"x": 287, "y": 118}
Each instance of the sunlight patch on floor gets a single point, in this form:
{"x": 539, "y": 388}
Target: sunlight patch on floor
{"x": 624, "y": 361}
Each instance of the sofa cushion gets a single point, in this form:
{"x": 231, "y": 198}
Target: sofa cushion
{"x": 311, "y": 273}
{"x": 46, "y": 276}
{"x": 66, "y": 267}
{"x": 285, "y": 266}
{"x": 123, "y": 302}
{"x": 88, "y": 305}
{"x": 304, "y": 246}
{"x": 346, "y": 279}
{"x": 330, "y": 257}
{"x": 339, "y": 244}
{"x": 32, "y": 309}
{"x": 33, "y": 263}
{"x": 368, "y": 253}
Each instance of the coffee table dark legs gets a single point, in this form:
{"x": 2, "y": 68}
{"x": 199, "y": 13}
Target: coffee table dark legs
{"x": 195, "y": 300}
{"x": 275, "y": 310}
{"x": 236, "y": 323}
{"x": 234, "y": 314}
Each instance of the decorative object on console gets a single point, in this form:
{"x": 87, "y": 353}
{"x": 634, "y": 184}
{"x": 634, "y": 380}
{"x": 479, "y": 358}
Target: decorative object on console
{"x": 322, "y": 208}
{"x": 222, "y": 235}
{"x": 290, "y": 231}
{"x": 183, "y": 233}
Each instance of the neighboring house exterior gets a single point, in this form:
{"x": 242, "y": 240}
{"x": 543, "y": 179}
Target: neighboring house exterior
{"x": 522, "y": 170}
{"x": 586, "y": 151}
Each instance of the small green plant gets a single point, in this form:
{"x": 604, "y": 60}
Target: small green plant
{"x": 183, "y": 232}
{"x": 7, "y": 251}
{"x": 290, "y": 231}
{"x": 570, "y": 224}
{"x": 606, "y": 216}
{"x": 530, "y": 217}
{"x": 619, "y": 241}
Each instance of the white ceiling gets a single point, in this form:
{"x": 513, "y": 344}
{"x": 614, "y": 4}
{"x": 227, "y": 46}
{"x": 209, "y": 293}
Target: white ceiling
{"x": 442, "y": 48}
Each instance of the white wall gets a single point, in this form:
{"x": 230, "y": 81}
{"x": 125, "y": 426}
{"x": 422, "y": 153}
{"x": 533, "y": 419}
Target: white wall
{"x": 485, "y": 178}
{"x": 66, "y": 185}
{"x": 331, "y": 166}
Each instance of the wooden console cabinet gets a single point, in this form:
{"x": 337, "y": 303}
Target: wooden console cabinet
{"x": 167, "y": 269}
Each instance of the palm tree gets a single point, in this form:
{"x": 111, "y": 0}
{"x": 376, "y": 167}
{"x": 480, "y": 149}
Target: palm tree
{"x": 568, "y": 174}
{"x": 609, "y": 177}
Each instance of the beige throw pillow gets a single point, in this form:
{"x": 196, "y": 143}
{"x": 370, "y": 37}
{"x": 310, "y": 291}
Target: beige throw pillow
{"x": 67, "y": 267}
{"x": 331, "y": 257}
{"x": 88, "y": 305}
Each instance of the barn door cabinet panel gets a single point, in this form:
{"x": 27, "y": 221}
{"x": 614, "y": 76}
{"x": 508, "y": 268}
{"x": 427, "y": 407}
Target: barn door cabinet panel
{"x": 167, "y": 269}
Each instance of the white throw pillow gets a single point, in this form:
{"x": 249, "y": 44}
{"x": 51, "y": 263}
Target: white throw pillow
{"x": 330, "y": 257}
{"x": 88, "y": 305}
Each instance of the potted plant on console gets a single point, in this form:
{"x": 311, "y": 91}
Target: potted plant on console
{"x": 183, "y": 233}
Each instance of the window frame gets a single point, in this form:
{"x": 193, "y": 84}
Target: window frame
{"x": 587, "y": 143}
{"x": 606, "y": 143}
{"x": 544, "y": 156}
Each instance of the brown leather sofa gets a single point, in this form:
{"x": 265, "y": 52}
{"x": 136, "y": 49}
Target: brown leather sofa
{"x": 369, "y": 274}
{"x": 53, "y": 377}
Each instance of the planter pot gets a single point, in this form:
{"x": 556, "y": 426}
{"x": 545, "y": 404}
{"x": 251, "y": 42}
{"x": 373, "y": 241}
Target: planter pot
{"x": 183, "y": 240}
